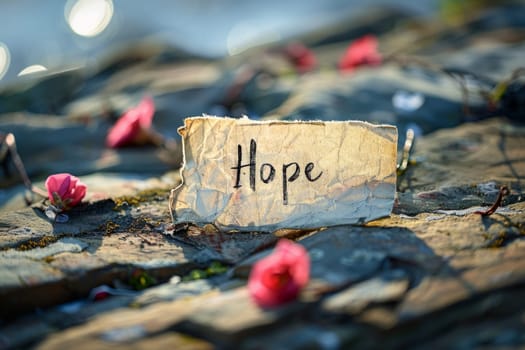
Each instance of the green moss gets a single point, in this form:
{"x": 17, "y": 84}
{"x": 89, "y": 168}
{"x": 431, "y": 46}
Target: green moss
{"x": 195, "y": 275}
{"x": 141, "y": 279}
{"x": 40, "y": 242}
{"x": 215, "y": 268}
{"x": 454, "y": 11}
{"x": 141, "y": 197}
{"x": 109, "y": 227}
{"x": 49, "y": 259}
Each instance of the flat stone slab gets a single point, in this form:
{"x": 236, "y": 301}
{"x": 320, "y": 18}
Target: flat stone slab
{"x": 390, "y": 274}
{"x": 437, "y": 276}
{"x": 464, "y": 167}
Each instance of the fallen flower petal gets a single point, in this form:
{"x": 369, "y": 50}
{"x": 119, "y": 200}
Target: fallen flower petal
{"x": 65, "y": 190}
{"x": 101, "y": 295}
{"x": 279, "y": 277}
{"x": 361, "y": 52}
{"x": 133, "y": 126}
{"x": 103, "y": 291}
{"x": 301, "y": 57}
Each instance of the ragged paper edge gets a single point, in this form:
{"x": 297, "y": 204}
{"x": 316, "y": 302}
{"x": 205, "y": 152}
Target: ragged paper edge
{"x": 379, "y": 129}
{"x": 376, "y": 128}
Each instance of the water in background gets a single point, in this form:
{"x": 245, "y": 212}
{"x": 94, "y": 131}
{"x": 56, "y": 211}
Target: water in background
{"x": 56, "y": 34}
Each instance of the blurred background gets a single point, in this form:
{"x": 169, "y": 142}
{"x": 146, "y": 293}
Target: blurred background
{"x": 54, "y": 35}
{"x": 70, "y": 69}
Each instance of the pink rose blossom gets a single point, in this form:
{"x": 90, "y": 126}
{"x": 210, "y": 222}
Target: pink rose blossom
{"x": 65, "y": 190}
{"x": 301, "y": 57}
{"x": 133, "y": 125}
{"x": 362, "y": 52}
{"x": 279, "y": 277}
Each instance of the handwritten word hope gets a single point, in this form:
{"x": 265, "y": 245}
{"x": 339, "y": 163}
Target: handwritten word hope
{"x": 289, "y": 171}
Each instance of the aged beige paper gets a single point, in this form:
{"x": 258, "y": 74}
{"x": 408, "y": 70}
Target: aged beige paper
{"x": 264, "y": 175}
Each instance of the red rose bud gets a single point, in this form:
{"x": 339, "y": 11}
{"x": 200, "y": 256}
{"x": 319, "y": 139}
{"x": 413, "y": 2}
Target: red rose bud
{"x": 134, "y": 126}
{"x": 279, "y": 277}
{"x": 65, "y": 190}
{"x": 361, "y": 52}
{"x": 301, "y": 57}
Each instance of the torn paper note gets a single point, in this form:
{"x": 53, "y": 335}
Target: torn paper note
{"x": 264, "y": 175}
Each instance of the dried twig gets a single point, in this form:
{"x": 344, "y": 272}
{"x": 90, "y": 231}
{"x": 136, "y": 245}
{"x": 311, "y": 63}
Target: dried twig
{"x": 407, "y": 149}
{"x": 10, "y": 141}
{"x": 8, "y": 147}
{"x": 499, "y": 90}
{"x": 503, "y": 191}
{"x": 145, "y": 240}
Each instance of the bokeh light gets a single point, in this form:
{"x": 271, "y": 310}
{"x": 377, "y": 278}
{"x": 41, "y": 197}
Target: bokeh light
{"x": 89, "y": 18}
{"x": 32, "y": 69}
{"x": 5, "y": 59}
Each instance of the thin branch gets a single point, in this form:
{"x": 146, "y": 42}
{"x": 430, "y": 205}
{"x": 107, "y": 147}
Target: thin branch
{"x": 10, "y": 141}
{"x": 9, "y": 145}
{"x": 407, "y": 149}
{"x": 503, "y": 191}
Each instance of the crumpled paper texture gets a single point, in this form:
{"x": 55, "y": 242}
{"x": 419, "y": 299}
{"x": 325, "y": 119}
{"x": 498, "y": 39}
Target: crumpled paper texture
{"x": 246, "y": 175}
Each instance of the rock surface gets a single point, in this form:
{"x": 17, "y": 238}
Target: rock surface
{"x": 119, "y": 274}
